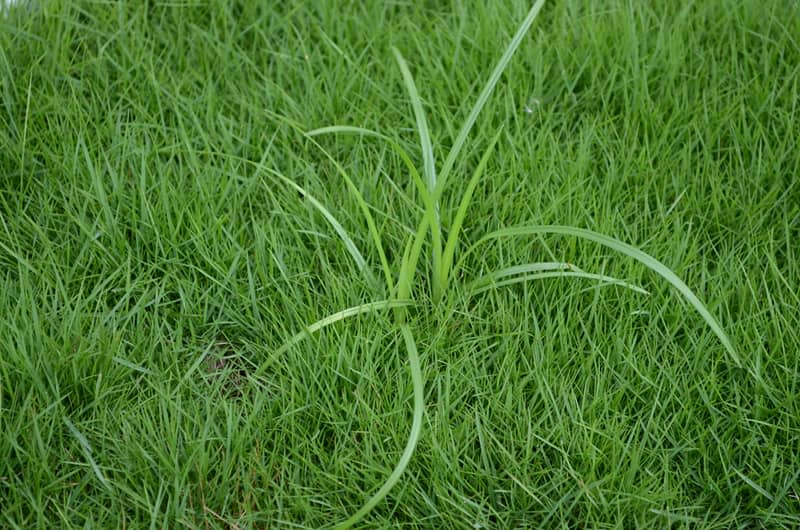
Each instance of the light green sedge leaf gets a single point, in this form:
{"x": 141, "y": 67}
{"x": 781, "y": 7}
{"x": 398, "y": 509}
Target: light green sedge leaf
{"x": 413, "y": 437}
{"x": 403, "y": 283}
{"x": 362, "y": 204}
{"x": 429, "y": 163}
{"x": 607, "y": 280}
{"x": 348, "y": 129}
{"x": 371, "y": 307}
{"x": 540, "y": 271}
{"x": 630, "y": 251}
{"x": 452, "y": 238}
{"x": 337, "y": 226}
{"x": 528, "y": 268}
{"x": 427, "y": 198}
{"x": 429, "y": 169}
{"x": 458, "y": 144}
{"x": 409, "y": 265}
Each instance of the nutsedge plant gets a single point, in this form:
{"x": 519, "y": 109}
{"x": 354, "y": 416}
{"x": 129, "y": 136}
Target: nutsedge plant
{"x": 431, "y": 184}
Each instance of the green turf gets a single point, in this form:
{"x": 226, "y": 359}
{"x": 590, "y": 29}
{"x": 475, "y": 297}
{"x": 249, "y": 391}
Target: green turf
{"x": 169, "y": 237}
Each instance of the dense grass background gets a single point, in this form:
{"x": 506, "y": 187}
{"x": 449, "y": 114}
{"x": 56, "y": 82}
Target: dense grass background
{"x": 149, "y": 262}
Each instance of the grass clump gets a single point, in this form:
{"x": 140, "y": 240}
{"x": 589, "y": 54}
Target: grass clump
{"x": 210, "y": 304}
{"x": 430, "y": 188}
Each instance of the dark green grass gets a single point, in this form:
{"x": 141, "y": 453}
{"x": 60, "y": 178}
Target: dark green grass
{"x": 149, "y": 264}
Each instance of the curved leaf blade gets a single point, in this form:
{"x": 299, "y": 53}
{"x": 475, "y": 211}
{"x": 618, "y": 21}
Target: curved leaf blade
{"x": 371, "y": 307}
{"x": 607, "y": 280}
{"x": 461, "y": 138}
{"x": 642, "y": 257}
{"x": 413, "y": 437}
{"x": 429, "y": 163}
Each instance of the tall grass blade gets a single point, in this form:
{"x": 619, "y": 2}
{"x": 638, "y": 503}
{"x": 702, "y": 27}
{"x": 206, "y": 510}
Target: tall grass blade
{"x": 425, "y": 193}
{"x": 408, "y": 267}
{"x": 429, "y": 162}
{"x": 532, "y": 271}
{"x": 362, "y": 204}
{"x": 607, "y": 280}
{"x": 337, "y": 226}
{"x": 371, "y": 307}
{"x": 428, "y": 169}
{"x": 633, "y": 252}
{"x": 539, "y": 266}
{"x": 398, "y": 149}
{"x": 409, "y": 263}
{"x": 466, "y": 198}
{"x": 413, "y": 437}
{"x": 87, "y": 452}
{"x": 461, "y": 138}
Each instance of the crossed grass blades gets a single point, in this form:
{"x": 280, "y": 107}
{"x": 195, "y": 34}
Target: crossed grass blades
{"x": 430, "y": 186}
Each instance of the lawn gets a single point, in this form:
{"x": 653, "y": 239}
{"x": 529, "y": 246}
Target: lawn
{"x": 215, "y": 312}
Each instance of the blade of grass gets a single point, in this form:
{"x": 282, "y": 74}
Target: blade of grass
{"x": 349, "y": 129}
{"x": 540, "y": 266}
{"x": 425, "y": 194}
{"x": 362, "y": 204}
{"x": 410, "y": 259}
{"x": 87, "y": 452}
{"x": 429, "y": 162}
{"x": 458, "y": 144}
{"x": 466, "y": 198}
{"x": 646, "y": 259}
{"x": 337, "y": 226}
{"x": 370, "y": 307}
{"x": 428, "y": 169}
{"x": 413, "y": 437}
{"x": 608, "y": 280}
{"x": 408, "y": 267}
{"x": 547, "y": 266}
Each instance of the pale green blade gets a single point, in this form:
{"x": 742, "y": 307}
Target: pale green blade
{"x": 429, "y": 163}
{"x": 428, "y": 169}
{"x": 430, "y": 219}
{"x": 87, "y": 452}
{"x": 633, "y": 252}
{"x": 362, "y": 204}
{"x": 425, "y": 194}
{"x": 607, "y": 280}
{"x": 413, "y": 437}
{"x": 461, "y": 213}
{"x": 416, "y": 380}
{"x": 527, "y": 268}
{"x": 458, "y": 144}
{"x": 408, "y": 267}
{"x": 361, "y": 131}
{"x": 370, "y": 307}
{"x": 337, "y": 226}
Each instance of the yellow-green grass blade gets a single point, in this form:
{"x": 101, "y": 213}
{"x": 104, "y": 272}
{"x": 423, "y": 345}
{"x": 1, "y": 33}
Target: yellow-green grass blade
{"x": 337, "y": 226}
{"x": 461, "y": 138}
{"x": 429, "y": 168}
{"x": 370, "y": 307}
{"x": 362, "y": 204}
{"x": 429, "y": 162}
{"x": 408, "y": 267}
{"x": 607, "y": 280}
{"x": 410, "y": 260}
{"x": 458, "y": 220}
{"x": 425, "y": 194}
{"x": 642, "y": 257}
{"x": 413, "y": 437}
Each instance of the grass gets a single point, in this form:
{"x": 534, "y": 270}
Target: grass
{"x": 178, "y": 257}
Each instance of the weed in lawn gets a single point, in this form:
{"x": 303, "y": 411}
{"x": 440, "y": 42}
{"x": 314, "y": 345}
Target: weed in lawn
{"x": 430, "y": 187}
